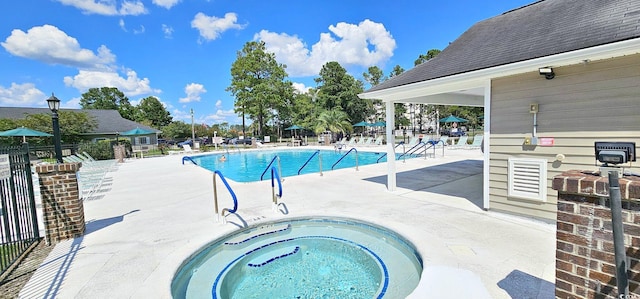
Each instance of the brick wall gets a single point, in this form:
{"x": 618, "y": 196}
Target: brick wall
{"x": 62, "y": 207}
{"x": 585, "y": 259}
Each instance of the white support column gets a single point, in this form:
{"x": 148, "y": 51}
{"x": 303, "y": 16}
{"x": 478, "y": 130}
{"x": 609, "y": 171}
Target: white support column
{"x": 487, "y": 127}
{"x": 391, "y": 151}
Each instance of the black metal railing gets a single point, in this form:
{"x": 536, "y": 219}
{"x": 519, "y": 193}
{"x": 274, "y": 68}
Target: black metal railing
{"x": 18, "y": 220}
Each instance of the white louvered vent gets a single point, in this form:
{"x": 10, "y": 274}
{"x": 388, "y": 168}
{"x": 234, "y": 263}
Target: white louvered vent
{"x": 528, "y": 178}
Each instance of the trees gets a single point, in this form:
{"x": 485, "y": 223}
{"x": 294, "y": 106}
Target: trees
{"x": 72, "y": 126}
{"x": 426, "y": 57}
{"x": 338, "y": 89}
{"x": 151, "y": 109}
{"x": 109, "y": 98}
{"x": 258, "y": 83}
{"x": 334, "y": 120}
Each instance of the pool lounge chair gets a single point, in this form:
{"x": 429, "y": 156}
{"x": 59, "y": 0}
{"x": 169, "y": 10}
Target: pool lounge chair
{"x": 378, "y": 141}
{"x": 186, "y": 149}
{"x": 352, "y": 142}
{"x": 477, "y": 142}
{"x": 462, "y": 142}
{"x": 368, "y": 141}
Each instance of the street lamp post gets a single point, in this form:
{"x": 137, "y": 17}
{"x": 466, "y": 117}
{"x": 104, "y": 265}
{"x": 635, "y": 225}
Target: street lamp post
{"x": 54, "y": 105}
{"x": 193, "y": 131}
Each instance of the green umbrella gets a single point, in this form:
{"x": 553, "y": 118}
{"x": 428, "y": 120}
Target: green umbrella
{"x": 294, "y": 127}
{"x": 361, "y": 124}
{"x": 24, "y": 132}
{"x": 137, "y": 131}
{"x": 379, "y": 124}
{"x": 452, "y": 119}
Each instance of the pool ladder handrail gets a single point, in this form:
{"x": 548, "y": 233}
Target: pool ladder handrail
{"x": 385, "y": 154}
{"x": 188, "y": 159}
{"x": 271, "y": 163}
{"x": 274, "y": 195}
{"x": 221, "y": 216}
{"x": 413, "y": 149}
{"x": 351, "y": 150}
{"x": 317, "y": 152}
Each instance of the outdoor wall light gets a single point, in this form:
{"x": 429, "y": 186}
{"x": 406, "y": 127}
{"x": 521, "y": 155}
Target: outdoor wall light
{"x": 547, "y": 72}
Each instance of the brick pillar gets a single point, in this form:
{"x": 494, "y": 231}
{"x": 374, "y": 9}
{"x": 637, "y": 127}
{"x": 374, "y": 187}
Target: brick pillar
{"x": 119, "y": 153}
{"x": 585, "y": 259}
{"x": 62, "y": 207}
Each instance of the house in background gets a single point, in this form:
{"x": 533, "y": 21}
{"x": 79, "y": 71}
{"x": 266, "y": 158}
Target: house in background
{"x": 110, "y": 124}
{"x": 553, "y": 77}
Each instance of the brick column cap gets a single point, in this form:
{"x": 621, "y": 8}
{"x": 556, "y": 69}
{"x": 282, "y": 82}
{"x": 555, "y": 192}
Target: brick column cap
{"x": 588, "y": 182}
{"x": 58, "y": 168}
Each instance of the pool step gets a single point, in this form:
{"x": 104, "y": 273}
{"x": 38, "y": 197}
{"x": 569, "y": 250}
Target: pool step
{"x": 277, "y": 254}
{"x": 257, "y": 233}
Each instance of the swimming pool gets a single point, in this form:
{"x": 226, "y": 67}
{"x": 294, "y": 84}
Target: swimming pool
{"x": 248, "y": 166}
{"x": 303, "y": 258}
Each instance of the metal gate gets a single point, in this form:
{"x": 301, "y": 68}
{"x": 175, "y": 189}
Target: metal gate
{"x": 18, "y": 220}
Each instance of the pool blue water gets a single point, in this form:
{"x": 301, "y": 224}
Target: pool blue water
{"x": 248, "y": 166}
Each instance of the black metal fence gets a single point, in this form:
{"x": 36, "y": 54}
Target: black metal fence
{"x": 18, "y": 220}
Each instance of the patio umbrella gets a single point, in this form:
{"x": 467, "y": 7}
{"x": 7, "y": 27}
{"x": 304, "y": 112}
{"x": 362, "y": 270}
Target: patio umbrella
{"x": 293, "y": 128}
{"x": 379, "y": 124}
{"x": 452, "y": 119}
{"x": 137, "y": 131}
{"x": 361, "y": 124}
{"x": 24, "y": 132}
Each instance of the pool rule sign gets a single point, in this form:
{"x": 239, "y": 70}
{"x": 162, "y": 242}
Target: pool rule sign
{"x": 5, "y": 167}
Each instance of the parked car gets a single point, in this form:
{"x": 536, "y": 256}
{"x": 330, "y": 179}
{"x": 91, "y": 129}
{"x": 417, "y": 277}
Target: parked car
{"x": 188, "y": 141}
{"x": 245, "y": 141}
{"x": 166, "y": 142}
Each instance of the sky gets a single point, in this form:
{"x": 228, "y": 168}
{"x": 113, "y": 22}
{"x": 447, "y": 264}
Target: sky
{"x": 181, "y": 51}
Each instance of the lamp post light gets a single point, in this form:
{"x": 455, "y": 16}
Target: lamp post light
{"x": 54, "y": 106}
{"x": 193, "y": 131}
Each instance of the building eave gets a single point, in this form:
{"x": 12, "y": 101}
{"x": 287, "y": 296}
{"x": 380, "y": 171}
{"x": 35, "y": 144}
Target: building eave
{"x": 476, "y": 79}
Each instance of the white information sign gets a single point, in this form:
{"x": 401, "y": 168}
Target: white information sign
{"x": 5, "y": 167}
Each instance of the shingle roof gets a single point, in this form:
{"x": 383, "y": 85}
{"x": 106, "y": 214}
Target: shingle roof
{"x": 539, "y": 29}
{"x": 109, "y": 121}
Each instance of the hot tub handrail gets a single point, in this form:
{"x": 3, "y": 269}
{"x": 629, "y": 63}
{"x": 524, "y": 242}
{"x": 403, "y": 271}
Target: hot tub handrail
{"x": 188, "y": 159}
{"x": 270, "y": 164}
{"x": 348, "y": 152}
{"x": 215, "y": 194}
{"x": 317, "y": 152}
{"x": 274, "y": 195}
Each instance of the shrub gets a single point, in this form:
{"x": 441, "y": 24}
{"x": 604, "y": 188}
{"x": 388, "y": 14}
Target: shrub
{"x": 101, "y": 150}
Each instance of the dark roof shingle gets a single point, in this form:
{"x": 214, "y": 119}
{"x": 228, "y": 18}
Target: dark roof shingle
{"x": 540, "y": 29}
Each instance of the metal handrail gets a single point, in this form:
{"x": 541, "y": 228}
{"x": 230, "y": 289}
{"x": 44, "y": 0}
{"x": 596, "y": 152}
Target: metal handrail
{"x": 352, "y": 149}
{"x": 188, "y": 159}
{"x": 215, "y": 195}
{"x": 270, "y": 163}
{"x": 435, "y": 143}
{"x": 274, "y": 196}
{"x": 317, "y": 152}
{"x": 385, "y": 154}
{"x": 410, "y": 150}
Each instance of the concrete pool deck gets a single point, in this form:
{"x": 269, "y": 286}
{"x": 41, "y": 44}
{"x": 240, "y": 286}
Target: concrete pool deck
{"x": 154, "y": 213}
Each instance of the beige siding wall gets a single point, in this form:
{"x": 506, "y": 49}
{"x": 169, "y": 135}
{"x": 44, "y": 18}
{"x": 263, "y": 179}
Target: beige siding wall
{"x": 595, "y": 101}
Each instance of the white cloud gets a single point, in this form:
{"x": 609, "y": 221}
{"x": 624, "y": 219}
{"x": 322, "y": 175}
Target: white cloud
{"x": 168, "y": 31}
{"x": 107, "y": 7}
{"x": 21, "y": 95}
{"x": 166, "y": 3}
{"x": 122, "y": 25}
{"x": 72, "y": 104}
{"x": 210, "y": 28}
{"x": 193, "y": 91}
{"x": 51, "y": 45}
{"x": 222, "y": 115}
{"x": 365, "y": 44}
{"x": 139, "y": 31}
{"x": 300, "y": 87}
{"x": 131, "y": 85}
{"x": 219, "y": 104}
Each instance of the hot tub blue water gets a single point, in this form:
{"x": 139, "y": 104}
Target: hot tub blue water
{"x": 303, "y": 258}
{"x": 248, "y": 166}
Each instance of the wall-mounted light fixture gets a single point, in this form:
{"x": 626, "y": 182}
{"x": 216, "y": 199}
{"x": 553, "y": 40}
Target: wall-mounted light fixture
{"x": 547, "y": 72}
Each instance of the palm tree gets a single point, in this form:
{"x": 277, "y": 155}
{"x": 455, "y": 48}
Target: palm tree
{"x": 334, "y": 120}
